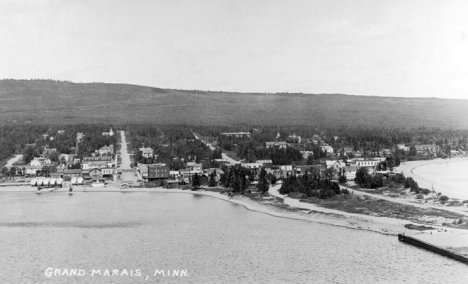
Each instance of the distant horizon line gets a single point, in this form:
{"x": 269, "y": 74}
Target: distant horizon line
{"x": 235, "y": 92}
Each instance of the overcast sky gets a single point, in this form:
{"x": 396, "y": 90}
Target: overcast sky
{"x": 362, "y": 47}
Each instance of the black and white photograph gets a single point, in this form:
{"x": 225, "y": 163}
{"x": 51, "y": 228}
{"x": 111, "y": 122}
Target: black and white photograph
{"x": 233, "y": 141}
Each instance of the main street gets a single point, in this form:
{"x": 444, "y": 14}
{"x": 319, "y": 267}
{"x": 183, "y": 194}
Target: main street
{"x": 128, "y": 174}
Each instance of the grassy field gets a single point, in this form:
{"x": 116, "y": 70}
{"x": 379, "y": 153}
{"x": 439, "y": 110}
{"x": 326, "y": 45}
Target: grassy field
{"x": 39, "y": 101}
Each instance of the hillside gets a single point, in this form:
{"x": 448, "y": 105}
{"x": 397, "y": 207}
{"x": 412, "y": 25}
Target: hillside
{"x": 41, "y": 101}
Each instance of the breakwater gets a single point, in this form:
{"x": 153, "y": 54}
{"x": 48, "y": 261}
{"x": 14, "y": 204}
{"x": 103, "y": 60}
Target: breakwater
{"x": 442, "y": 251}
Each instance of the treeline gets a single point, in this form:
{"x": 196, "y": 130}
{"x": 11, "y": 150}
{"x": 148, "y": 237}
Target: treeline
{"x": 369, "y": 140}
{"x": 13, "y": 138}
{"x": 311, "y": 184}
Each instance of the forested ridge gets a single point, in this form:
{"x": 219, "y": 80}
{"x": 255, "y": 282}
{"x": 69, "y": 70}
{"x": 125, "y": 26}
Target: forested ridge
{"x": 55, "y": 102}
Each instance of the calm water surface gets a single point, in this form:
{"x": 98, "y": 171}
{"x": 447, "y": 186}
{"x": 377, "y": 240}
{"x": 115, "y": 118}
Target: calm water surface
{"x": 448, "y": 177}
{"x": 216, "y": 241}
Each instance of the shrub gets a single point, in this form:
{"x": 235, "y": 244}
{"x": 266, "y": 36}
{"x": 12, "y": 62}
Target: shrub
{"x": 345, "y": 191}
{"x": 342, "y": 179}
{"x": 363, "y": 178}
{"x": 425, "y": 191}
{"x": 443, "y": 198}
{"x": 420, "y": 196}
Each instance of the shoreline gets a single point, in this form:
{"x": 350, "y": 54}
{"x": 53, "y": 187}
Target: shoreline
{"x": 428, "y": 180}
{"x": 450, "y": 238}
{"x": 295, "y": 209}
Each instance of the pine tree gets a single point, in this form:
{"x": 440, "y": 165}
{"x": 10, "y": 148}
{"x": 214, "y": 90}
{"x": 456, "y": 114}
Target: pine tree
{"x": 263, "y": 185}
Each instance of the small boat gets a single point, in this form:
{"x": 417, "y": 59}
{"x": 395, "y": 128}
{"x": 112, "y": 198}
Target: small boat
{"x": 46, "y": 182}
{"x": 79, "y": 180}
{"x": 98, "y": 184}
{"x": 70, "y": 190}
{"x": 38, "y": 190}
{"x": 73, "y": 180}
{"x": 33, "y": 182}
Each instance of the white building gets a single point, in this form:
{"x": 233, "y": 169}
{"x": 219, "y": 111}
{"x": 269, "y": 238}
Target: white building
{"x": 327, "y": 148}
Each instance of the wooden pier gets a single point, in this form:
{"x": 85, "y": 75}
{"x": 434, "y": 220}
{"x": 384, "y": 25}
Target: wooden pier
{"x": 442, "y": 251}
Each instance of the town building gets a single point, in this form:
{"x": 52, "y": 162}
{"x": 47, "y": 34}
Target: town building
{"x": 146, "y": 152}
{"x": 110, "y": 133}
{"x": 106, "y": 150}
{"x": 236, "y": 134}
{"x": 158, "y": 173}
{"x": 277, "y": 144}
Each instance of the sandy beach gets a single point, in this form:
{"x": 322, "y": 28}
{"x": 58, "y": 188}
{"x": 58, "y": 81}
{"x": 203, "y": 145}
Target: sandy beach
{"x": 447, "y": 176}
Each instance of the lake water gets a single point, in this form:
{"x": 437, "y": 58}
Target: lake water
{"x": 450, "y": 177}
{"x": 214, "y": 240}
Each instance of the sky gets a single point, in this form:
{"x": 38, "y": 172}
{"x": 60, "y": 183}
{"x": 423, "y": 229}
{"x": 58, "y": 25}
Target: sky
{"x": 401, "y": 48}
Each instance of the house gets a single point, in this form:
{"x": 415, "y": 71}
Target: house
{"x": 194, "y": 167}
{"x": 32, "y": 170}
{"x": 302, "y": 169}
{"x": 286, "y": 168}
{"x": 236, "y": 134}
{"x": 40, "y": 161}
{"x": 222, "y": 161}
{"x": 350, "y": 172}
{"x": 294, "y": 138}
{"x": 265, "y": 163}
{"x": 110, "y": 133}
{"x": 71, "y": 173}
{"x": 327, "y": 149}
{"x": 277, "y": 144}
{"x": 367, "y": 163}
{"x": 60, "y": 131}
{"x": 48, "y": 151}
{"x": 108, "y": 173}
{"x": 426, "y": 149}
{"x": 255, "y": 167}
{"x": 106, "y": 150}
{"x": 252, "y": 165}
{"x": 402, "y": 147}
{"x": 79, "y": 136}
{"x": 96, "y": 165}
{"x": 174, "y": 174}
{"x": 96, "y": 158}
{"x": 337, "y": 166}
{"x": 146, "y": 152}
{"x": 143, "y": 169}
